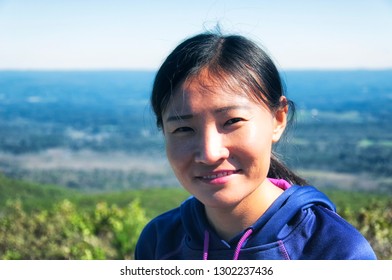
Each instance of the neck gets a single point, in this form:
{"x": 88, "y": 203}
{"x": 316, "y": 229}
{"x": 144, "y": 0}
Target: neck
{"x": 230, "y": 221}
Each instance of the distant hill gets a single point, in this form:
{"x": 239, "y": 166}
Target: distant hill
{"x": 76, "y": 96}
{"x": 94, "y": 130}
{"x": 364, "y": 91}
{"x": 32, "y": 195}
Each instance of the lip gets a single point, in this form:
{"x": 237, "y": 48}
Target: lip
{"x": 217, "y": 177}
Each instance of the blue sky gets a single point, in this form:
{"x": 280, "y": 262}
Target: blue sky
{"x": 120, "y": 34}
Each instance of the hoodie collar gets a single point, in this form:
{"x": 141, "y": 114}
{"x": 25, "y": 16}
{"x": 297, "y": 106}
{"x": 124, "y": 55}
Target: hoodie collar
{"x": 265, "y": 230}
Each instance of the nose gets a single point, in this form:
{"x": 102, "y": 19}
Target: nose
{"x": 211, "y": 147}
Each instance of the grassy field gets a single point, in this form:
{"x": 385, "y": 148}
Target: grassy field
{"x": 153, "y": 200}
{"x": 36, "y": 197}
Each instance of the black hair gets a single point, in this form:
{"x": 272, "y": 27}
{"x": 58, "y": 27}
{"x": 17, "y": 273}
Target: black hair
{"x": 227, "y": 58}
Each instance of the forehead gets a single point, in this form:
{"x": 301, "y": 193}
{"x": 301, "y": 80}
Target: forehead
{"x": 209, "y": 82}
{"x": 205, "y": 91}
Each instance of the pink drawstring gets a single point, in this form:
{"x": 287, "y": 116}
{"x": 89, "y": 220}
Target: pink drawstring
{"x": 206, "y": 243}
{"x": 237, "y": 249}
{"x": 241, "y": 242}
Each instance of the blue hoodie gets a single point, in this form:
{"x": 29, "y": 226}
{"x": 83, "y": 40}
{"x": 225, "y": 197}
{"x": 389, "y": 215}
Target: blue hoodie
{"x": 301, "y": 224}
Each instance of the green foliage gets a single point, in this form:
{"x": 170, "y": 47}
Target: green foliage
{"x": 65, "y": 232}
{"x": 49, "y": 222}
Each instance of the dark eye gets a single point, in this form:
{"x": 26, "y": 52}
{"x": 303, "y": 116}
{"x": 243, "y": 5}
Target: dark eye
{"x": 183, "y": 129}
{"x": 233, "y": 121}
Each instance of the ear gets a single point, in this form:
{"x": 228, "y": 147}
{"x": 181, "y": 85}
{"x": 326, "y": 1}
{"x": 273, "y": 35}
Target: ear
{"x": 280, "y": 120}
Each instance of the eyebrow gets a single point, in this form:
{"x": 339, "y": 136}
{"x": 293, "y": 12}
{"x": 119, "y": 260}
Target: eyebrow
{"x": 179, "y": 118}
{"x": 217, "y": 111}
{"x": 232, "y": 107}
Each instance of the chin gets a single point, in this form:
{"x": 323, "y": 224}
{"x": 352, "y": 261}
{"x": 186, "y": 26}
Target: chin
{"x": 219, "y": 200}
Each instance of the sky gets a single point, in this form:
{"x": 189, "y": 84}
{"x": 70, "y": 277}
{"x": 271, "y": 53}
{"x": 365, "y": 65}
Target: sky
{"x": 131, "y": 34}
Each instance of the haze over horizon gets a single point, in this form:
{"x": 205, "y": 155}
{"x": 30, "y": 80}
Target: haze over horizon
{"x": 120, "y": 34}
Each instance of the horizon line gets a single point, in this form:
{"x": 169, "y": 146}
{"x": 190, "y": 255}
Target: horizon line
{"x": 154, "y": 70}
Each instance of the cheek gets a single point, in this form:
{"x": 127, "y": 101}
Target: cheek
{"x": 255, "y": 150}
{"x": 177, "y": 154}
{"x": 180, "y": 162}
{"x": 256, "y": 138}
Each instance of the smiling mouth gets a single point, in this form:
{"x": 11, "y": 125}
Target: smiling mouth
{"x": 218, "y": 174}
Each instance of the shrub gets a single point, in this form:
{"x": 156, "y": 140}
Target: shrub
{"x": 108, "y": 232}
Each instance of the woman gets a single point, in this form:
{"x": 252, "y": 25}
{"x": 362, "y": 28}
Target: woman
{"x": 219, "y": 102}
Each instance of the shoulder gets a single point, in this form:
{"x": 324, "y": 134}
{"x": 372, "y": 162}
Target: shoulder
{"x": 171, "y": 219}
{"x": 159, "y": 235}
{"x": 318, "y": 231}
{"x": 164, "y": 220}
{"x": 334, "y": 238}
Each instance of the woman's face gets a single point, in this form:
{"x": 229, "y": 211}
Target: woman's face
{"x": 218, "y": 141}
